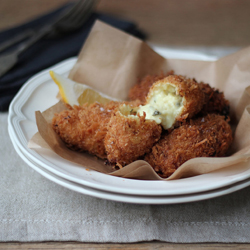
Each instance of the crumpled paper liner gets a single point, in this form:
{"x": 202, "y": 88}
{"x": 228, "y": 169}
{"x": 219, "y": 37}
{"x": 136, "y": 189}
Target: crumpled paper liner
{"x": 112, "y": 61}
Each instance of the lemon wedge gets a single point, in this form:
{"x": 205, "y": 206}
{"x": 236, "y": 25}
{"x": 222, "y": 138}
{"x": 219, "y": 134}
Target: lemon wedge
{"x": 75, "y": 93}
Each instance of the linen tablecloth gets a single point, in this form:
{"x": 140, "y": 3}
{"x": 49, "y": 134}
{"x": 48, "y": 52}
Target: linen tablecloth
{"x": 33, "y": 208}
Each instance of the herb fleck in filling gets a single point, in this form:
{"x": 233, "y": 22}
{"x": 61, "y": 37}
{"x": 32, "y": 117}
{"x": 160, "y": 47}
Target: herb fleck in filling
{"x": 156, "y": 113}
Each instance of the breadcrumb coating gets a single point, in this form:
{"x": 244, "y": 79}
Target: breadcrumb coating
{"x": 215, "y": 101}
{"x": 140, "y": 90}
{"x": 83, "y": 128}
{"x": 201, "y": 137}
{"x": 129, "y": 137}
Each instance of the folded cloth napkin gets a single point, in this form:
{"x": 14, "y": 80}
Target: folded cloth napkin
{"x": 49, "y": 51}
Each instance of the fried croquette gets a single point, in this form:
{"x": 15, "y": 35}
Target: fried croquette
{"x": 83, "y": 128}
{"x": 140, "y": 90}
{"x": 173, "y": 99}
{"x": 129, "y": 136}
{"x": 202, "y": 137}
{"x": 215, "y": 101}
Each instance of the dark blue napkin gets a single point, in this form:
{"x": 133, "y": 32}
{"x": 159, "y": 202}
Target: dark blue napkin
{"x": 50, "y": 51}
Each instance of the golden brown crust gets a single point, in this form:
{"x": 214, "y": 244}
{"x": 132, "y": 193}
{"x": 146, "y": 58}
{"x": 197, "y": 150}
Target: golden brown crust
{"x": 128, "y": 138}
{"x": 83, "y": 128}
{"x": 215, "y": 101}
{"x": 140, "y": 90}
{"x": 202, "y": 137}
{"x": 189, "y": 89}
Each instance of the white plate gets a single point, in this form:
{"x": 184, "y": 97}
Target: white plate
{"x": 39, "y": 93}
{"x": 128, "y": 198}
{"x": 194, "y": 53}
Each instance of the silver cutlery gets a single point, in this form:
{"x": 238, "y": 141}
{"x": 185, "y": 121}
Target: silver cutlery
{"x": 69, "y": 21}
{"x": 16, "y": 39}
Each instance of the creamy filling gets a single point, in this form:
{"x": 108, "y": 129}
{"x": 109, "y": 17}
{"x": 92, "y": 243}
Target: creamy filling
{"x": 163, "y": 106}
{"x": 128, "y": 111}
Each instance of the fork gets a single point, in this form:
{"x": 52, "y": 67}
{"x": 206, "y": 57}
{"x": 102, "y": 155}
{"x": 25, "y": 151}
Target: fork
{"x": 70, "y": 20}
{"x": 64, "y": 19}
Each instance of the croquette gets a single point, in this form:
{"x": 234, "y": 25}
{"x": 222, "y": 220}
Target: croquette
{"x": 129, "y": 136}
{"x": 83, "y": 128}
{"x": 173, "y": 100}
{"x": 201, "y": 137}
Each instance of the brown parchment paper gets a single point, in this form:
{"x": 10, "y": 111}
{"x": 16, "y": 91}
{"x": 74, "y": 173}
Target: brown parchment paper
{"x": 112, "y": 61}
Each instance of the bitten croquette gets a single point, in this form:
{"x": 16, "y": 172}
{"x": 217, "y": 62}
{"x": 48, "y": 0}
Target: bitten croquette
{"x": 173, "y": 100}
{"x": 129, "y": 137}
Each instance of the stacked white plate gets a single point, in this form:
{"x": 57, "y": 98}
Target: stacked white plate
{"x": 39, "y": 93}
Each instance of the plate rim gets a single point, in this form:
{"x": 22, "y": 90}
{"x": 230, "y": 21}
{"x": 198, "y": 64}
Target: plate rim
{"x": 132, "y": 199}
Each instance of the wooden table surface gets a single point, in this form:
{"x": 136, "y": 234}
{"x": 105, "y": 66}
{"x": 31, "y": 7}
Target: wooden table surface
{"x": 166, "y": 22}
